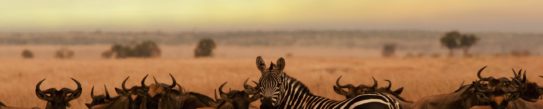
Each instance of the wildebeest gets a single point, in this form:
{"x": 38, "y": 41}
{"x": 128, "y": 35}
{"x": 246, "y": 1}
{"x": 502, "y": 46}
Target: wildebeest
{"x": 99, "y": 100}
{"x": 496, "y": 92}
{"x": 158, "y": 96}
{"x": 58, "y": 99}
{"x": 236, "y": 99}
{"x": 165, "y": 96}
{"x": 353, "y": 91}
{"x": 529, "y": 92}
{"x": 64, "y": 53}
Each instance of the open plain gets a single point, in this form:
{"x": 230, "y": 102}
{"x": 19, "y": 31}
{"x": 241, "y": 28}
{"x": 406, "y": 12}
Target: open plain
{"x": 318, "y": 68}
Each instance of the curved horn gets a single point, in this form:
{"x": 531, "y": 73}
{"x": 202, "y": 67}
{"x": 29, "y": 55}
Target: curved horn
{"x": 75, "y": 94}
{"x": 221, "y": 93}
{"x": 174, "y": 82}
{"x": 92, "y": 91}
{"x": 479, "y": 72}
{"x": 375, "y": 84}
{"x": 123, "y": 85}
{"x": 256, "y": 83}
{"x": 215, "y": 94}
{"x": 156, "y": 82}
{"x": 143, "y": 81}
{"x": 40, "y": 93}
{"x": 342, "y": 86}
{"x": 515, "y": 73}
{"x": 107, "y": 93}
{"x": 389, "y": 85}
{"x": 245, "y": 85}
{"x": 524, "y": 79}
{"x": 180, "y": 88}
{"x": 220, "y": 88}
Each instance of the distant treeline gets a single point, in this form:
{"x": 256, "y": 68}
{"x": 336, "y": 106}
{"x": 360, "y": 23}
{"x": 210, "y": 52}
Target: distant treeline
{"x": 263, "y": 38}
{"x": 340, "y": 38}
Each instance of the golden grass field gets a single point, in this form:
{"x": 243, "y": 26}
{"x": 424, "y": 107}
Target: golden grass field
{"x": 318, "y": 68}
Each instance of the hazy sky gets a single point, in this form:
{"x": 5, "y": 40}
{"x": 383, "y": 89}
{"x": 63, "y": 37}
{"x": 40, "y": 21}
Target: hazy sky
{"x": 201, "y": 15}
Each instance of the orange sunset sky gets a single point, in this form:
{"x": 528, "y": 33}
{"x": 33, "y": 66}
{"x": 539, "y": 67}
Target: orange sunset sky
{"x": 174, "y": 15}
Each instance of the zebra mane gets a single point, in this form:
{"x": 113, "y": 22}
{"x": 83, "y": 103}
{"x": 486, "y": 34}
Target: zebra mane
{"x": 295, "y": 81}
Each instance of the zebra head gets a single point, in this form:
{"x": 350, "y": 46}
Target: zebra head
{"x": 271, "y": 83}
{"x": 58, "y": 99}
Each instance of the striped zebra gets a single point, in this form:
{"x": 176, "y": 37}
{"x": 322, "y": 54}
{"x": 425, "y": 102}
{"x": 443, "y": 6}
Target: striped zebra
{"x": 280, "y": 91}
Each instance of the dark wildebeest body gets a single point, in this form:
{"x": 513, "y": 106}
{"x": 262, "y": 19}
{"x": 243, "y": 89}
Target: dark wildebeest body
{"x": 353, "y": 91}
{"x": 529, "y": 92}
{"x": 164, "y": 96}
{"x": 236, "y": 99}
{"x": 487, "y": 91}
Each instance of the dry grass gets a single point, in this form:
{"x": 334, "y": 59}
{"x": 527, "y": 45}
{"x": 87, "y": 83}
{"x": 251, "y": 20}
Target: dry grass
{"x": 420, "y": 76}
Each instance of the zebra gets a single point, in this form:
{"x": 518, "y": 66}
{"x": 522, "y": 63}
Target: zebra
{"x": 280, "y": 91}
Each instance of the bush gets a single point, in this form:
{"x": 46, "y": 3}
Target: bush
{"x": 204, "y": 48}
{"x": 389, "y": 50}
{"x": 64, "y": 53}
{"x": 27, "y": 54}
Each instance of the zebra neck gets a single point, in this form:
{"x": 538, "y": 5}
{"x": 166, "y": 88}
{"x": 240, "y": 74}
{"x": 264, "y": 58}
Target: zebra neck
{"x": 296, "y": 93}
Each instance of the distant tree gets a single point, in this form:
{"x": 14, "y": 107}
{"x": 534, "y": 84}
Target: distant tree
{"x": 147, "y": 49}
{"x": 389, "y": 50}
{"x": 451, "y": 40}
{"x": 107, "y": 54}
{"x": 205, "y": 48}
{"x": 467, "y": 41}
{"x": 27, "y": 54}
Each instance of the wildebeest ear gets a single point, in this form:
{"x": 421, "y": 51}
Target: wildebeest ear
{"x": 260, "y": 64}
{"x": 280, "y": 64}
{"x": 398, "y": 91}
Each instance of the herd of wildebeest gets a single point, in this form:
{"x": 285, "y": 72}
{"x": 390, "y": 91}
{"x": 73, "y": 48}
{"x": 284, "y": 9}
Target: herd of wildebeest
{"x": 275, "y": 89}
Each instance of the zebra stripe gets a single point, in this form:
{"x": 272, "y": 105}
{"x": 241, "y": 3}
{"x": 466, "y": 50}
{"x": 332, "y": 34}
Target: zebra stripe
{"x": 297, "y": 96}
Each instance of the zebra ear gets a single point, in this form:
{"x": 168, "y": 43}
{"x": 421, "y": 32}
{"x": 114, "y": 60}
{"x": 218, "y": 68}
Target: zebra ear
{"x": 280, "y": 64}
{"x": 260, "y": 64}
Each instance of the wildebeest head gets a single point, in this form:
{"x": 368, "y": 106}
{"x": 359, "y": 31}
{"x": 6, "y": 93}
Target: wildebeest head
{"x": 528, "y": 91}
{"x": 135, "y": 91}
{"x": 160, "y": 88}
{"x": 236, "y": 99}
{"x": 99, "y": 99}
{"x": 58, "y": 99}
{"x": 498, "y": 92}
{"x": 134, "y": 96}
{"x": 352, "y": 91}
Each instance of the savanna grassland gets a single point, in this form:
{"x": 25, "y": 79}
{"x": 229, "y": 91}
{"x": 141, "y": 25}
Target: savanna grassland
{"x": 317, "y": 67}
